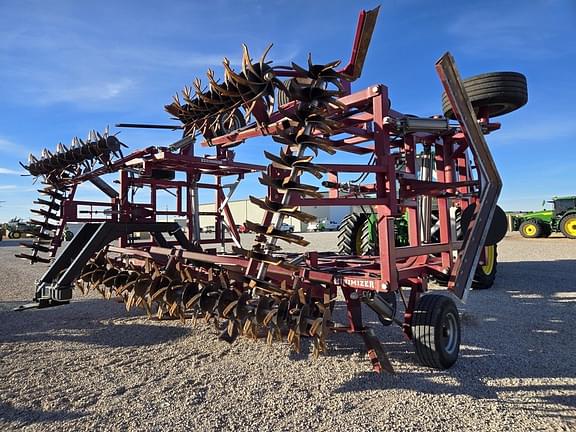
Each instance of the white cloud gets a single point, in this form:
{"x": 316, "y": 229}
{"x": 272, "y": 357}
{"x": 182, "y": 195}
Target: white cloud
{"x": 9, "y": 171}
{"x": 8, "y": 146}
{"x": 86, "y": 93}
{"x": 8, "y": 187}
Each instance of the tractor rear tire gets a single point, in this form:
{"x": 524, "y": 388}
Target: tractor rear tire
{"x": 530, "y": 229}
{"x": 498, "y": 93}
{"x": 350, "y": 233}
{"x": 568, "y": 226}
{"x": 486, "y": 274}
{"x": 436, "y": 331}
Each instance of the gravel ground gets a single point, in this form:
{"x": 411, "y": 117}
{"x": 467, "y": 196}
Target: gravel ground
{"x": 92, "y": 366}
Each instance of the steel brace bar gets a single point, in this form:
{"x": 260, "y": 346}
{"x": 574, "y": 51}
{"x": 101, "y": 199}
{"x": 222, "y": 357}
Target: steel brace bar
{"x": 463, "y": 270}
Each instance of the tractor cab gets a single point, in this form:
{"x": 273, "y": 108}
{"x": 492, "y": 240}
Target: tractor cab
{"x": 563, "y": 204}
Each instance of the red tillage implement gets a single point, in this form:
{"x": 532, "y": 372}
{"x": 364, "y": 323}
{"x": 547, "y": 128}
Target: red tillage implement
{"x": 435, "y": 174}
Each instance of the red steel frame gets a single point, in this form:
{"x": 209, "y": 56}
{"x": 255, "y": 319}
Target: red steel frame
{"x": 368, "y": 125}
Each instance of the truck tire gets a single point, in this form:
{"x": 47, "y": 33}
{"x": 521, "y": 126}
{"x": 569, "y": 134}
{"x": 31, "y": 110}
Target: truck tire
{"x": 497, "y": 92}
{"x": 436, "y": 331}
{"x": 530, "y": 229}
{"x": 485, "y": 275}
{"x": 568, "y": 226}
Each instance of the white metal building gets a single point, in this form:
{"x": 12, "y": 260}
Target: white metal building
{"x": 243, "y": 210}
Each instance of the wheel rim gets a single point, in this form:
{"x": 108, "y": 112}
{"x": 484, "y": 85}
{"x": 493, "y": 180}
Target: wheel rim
{"x": 530, "y": 229}
{"x": 571, "y": 226}
{"x": 450, "y": 333}
{"x": 489, "y": 258}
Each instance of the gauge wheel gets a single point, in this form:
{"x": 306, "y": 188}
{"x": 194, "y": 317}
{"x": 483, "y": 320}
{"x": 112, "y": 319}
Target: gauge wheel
{"x": 436, "y": 331}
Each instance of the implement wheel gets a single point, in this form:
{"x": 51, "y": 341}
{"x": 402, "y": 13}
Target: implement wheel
{"x": 568, "y": 226}
{"x": 530, "y": 229}
{"x": 486, "y": 274}
{"x": 436, "y": 331}
{"x": 496, "y": 93}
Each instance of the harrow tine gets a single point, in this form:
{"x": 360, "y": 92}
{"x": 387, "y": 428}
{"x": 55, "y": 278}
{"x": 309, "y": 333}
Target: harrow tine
{"x": 284, "y": 184}
{"x": 262, "y": 60}
{"x": 271, "y": 231}
{"x": 376, "y": 352}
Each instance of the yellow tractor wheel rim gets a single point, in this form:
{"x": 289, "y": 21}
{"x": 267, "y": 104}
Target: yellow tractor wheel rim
{"x": 530, "y": 230}
{"x": 571, "y": 226}
{"x": 489, "y": 259}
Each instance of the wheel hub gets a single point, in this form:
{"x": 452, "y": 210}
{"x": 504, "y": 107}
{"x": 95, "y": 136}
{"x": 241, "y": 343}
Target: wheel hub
{"x": 449, "y": 333}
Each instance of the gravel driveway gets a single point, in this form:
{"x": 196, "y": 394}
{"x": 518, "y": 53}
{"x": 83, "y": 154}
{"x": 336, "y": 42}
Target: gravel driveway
{"x": 92, "y": 366}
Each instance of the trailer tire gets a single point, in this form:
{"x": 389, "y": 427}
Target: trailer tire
{"x": 530, "y": 229}
{"x": 436, "y": 331}
{"x": 568, "y": 226}
{"x": 486, "y": 274}
{"x": 497, "y": 92}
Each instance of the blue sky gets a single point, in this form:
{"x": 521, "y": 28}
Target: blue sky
{"x": 68, "y": 66}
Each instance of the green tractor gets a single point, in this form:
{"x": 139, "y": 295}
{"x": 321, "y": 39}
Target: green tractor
{"x": 544, "y": 222}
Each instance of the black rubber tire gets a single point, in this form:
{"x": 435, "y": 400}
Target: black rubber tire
{"x": 568, "y": 225}
{"x": 546, "y": 230}
{"x": 238, "y": 123}
{"x": 369, "y": 246}
{"x": 15, "y": 235}
{"x": 281, "y": 97}
{"x": 436, "y": 331}
{"x": 350, "y": 234}
{"x": 483, "y": 277}
{"x": 498, "y": 92}
{"x": 530, "y": 229}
